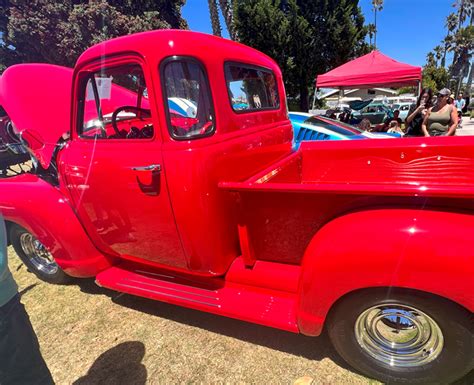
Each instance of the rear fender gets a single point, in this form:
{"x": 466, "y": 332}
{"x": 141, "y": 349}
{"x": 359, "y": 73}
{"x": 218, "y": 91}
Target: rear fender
{"x": 41, "y": 209}
{"x": 430, "y": 251}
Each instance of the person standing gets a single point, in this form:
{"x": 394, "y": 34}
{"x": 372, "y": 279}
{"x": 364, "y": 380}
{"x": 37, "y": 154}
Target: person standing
{"x": 417, "y": 113}
{"x": 440, "y": 120}
{"x": 460, "y": 104}
{"x": 20, "y": 357}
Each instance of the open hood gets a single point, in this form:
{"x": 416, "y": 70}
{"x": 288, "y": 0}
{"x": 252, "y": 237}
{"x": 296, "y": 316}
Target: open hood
{"x": 38, "y": 97}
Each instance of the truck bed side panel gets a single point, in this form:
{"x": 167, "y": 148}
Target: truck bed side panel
{"x": 417, "y": 249}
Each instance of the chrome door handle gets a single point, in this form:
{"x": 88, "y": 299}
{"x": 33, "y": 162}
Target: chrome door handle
{"x": 151, "y": 167}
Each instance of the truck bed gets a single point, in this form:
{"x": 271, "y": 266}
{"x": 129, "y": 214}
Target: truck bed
{"x": 407, "y": 167}
{"x": 283, "y": 206}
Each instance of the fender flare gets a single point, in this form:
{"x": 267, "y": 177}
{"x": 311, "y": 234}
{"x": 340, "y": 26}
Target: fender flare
{"x": 424, "y": 250}
{"x": 43, "y": 210}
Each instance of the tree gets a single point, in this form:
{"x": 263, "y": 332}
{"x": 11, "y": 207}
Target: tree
{"x": 451, "y": 23}
{"x": 371, "y": 32}
{"x": 214, "y": 14}
{"x": 406, "y": 90}
{"x": 463, "y": 48}
{"x": 434, "y": 77}
{"x": 58, "y": 31}
{"x": 438, "y": 52}
{"x": 377, "y": 5}
{"x": 305, "y": 37}
{"x": 462, "y": 41}
{"x": 227, "y": 9}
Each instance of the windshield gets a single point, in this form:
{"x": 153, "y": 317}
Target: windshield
{"x": 334, "y": 125}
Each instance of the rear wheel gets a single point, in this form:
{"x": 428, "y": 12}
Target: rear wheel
{"x": 36, "y": 257}
{"x": 403, "y": 337}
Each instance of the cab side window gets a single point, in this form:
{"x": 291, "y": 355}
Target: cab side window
{"x": 187, "y": 95}
{"x": 114, "y": 104}
{"x": 251, "y": 88}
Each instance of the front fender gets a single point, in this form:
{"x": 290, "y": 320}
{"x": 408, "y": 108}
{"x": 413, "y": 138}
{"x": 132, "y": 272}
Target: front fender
{"x": 426, "y": 250}
{"x": 44, "y": 211}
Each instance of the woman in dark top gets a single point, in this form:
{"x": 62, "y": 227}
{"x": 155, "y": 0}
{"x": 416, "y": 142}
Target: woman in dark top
{"x": 417, "y": 113}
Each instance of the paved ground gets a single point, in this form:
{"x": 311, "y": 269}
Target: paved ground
{"x": 467, "y": 127}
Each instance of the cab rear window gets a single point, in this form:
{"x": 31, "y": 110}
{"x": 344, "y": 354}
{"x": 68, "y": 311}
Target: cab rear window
{"x": 251, "y": 88}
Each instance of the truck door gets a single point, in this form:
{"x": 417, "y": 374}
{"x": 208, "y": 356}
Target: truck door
{"x": 113, "y": 165}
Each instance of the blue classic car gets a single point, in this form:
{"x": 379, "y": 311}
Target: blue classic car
{"x": 310, "y": 127}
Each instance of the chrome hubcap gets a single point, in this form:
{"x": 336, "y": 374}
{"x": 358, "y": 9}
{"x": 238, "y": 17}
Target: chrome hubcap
{"x": 39, "y": 256}
{"x": 399, "y": 336}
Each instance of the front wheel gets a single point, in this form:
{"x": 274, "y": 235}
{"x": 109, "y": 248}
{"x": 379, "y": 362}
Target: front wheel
{"x": 403, "y": 337}
{"x": 36, "y": 257}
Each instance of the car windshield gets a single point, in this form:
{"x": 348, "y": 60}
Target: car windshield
{"x": 334, "y": 125}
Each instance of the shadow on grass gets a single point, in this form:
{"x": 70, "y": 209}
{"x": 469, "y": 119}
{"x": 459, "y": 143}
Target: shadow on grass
{"x": 295, "y": 344}
{"x": 27, "y": 289}
{"x": 312, "y": 348}
{"x": 121, "y": 364}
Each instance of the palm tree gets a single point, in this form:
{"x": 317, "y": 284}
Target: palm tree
{"x": 377, "y": 5}
{"x": 469, "y": 80}
{"x": 227, "y": 9}
{"x": 463, "y": 48}
{"x": 465, "y": 10}
{"x": 451, "y": 24}
{"x": 462, "y": 52}
{"x": 430, "y": 59}
{"x": 214, "y": 14}
{"x": 448, "y": 46}
{"x": 439, "y": 52}
{"x": 371, "y": 32}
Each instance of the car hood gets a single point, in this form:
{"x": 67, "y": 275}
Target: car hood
{"x": 359, "y": 104}
{"x": 38, "y": 97}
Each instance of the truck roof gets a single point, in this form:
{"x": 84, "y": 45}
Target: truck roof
{"x": 158, "y": 44}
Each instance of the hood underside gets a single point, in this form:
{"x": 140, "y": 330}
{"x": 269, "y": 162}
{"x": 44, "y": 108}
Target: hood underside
{"x": 38, "y": 97}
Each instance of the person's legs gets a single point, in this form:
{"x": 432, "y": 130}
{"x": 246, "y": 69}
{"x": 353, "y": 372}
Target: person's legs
{"x": 20, "y": 357}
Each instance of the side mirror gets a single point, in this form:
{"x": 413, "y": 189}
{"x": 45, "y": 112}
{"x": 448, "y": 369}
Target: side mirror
{"x": 32, "y": 139}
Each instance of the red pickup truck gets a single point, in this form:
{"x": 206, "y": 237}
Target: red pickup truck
{"x": 163, "y": 167}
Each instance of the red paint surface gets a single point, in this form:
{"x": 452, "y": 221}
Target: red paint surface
{"x": 316, "y": 224}
{"x": 43, "y": 210}
{"x": 419, "y": 249}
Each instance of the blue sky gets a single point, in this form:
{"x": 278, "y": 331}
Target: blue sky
{"x": 407, "y": 29}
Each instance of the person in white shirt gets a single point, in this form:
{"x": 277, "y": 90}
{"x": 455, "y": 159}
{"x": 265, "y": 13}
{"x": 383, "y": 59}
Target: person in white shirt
{"x": 460, "y": 103}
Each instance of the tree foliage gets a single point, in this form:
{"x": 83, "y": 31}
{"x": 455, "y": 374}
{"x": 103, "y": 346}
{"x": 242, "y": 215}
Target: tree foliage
{"x": 434, "y": 77}
{"x": 305, "y": 37}
{"x": 58, "y": 31}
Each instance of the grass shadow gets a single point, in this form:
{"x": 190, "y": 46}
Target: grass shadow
{"x": 121, "y": 364}
{"x": 313, "y": 348}
{"x": 27, "y": 289}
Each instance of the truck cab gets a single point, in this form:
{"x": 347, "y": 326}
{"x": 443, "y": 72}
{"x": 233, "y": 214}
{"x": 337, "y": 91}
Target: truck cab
{"x": 168, "y": 172}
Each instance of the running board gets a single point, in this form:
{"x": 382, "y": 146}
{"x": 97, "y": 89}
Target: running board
{"x": 248, "y": 303}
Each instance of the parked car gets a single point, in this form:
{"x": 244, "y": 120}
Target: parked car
{"x": 310, "y": 127}
{"x": 376, "y": 113}
{"x": 370, "y": 240}
{"x": 403, "y": 108}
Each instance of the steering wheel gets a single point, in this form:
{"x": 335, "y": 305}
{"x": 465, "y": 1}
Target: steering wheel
{"x": 137, "y": 110}
{"x": 204, "y": 128}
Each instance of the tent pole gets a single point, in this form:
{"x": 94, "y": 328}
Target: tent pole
{"x": 314, "y": 97}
